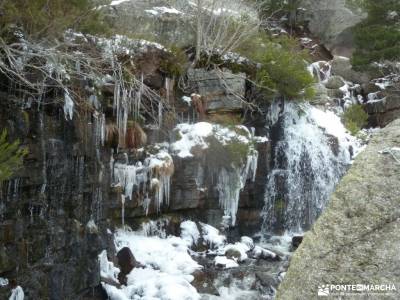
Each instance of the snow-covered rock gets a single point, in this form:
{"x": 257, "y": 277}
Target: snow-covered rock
{"x": 190, "y": 233}
{"x": 261, "y": 253}
{"x": 211, "y": 236}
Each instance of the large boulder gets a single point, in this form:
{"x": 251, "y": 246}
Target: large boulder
{"x": 341, "y": 66}
{"x": 126, "y": 263}
{"x": 353, "y": 242}
{"x": 335, "y": 82}
{"x": 332, "y": 22}
{"x": 321, "y": 94}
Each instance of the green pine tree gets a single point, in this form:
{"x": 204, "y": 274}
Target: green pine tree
{"x": 377, "y": 38}
{"x": 284, "y": 69}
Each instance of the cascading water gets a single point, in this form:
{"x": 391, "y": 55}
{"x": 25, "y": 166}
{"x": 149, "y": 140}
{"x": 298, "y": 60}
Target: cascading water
{"x": 311, "y": 151}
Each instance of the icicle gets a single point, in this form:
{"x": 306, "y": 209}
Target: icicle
{"x": 167, "y": 87}
{"x": 160, "y": 116}
{"x": 94, "y": 101}
{"x": 230, "y": 183}
{"x": 146, "y": 204}
{"x": 112, "y": 161}
{"x": 126, "y": 176}
{"x": 100, "y": 129}
{"x": 229, "y": 186}
{"x": 103, "y": 129}
{"x": 16, "y": 183}
{"x": 68, "y": 106}
{"x": 123, "y": 210}
{"x": 140, "y": 97}
{"x": 161, "y": 166}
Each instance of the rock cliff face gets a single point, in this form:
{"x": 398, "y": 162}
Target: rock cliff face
{"x": 55, "y": 212}
{"x": 46, "y": 240}
{"x": 354, "y": 241}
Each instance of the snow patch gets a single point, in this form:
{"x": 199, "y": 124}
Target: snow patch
{"x": 169, "y": 255}
{"x": 167, "y": 270}
{"x": 225, "y": 262}
{"x": 107, "y": 268}
{"x": 118, "y": 2}
{"x": 187, "y": 100}
{"x": 155, "y": 11}
{"x": 3, "y": 281}
{"x": 191, "y": 135}
{"x": 333, "y": 125}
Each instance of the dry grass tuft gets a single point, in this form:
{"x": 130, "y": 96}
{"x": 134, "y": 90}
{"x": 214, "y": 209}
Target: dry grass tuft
{"x": 135, "y": 136}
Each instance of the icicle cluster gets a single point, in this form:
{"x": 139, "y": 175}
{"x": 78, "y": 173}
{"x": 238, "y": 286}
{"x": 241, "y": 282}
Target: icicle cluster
{"x": 154, "y": 175}
{"x": 161, "y": 168}
{"x": 99, "y": 128}
{"x": 129, "y": 176}
{"x": 230, "y": 183}
{"x": 126, "y": 101}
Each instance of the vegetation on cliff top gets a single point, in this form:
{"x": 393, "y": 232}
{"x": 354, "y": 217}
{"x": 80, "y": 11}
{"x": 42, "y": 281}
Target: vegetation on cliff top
{"x": 282, "y": 66}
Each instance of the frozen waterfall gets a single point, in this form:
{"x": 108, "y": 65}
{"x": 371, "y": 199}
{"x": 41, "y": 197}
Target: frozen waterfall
{"x": 311, "y": 151}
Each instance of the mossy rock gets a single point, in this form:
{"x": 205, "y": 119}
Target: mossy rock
{"x": 233, "y": 254}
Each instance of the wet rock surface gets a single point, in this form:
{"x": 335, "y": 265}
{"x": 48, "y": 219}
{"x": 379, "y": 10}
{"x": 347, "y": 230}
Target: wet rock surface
{"x": 45, "y": 243}
{"x": 384, "y": 110}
